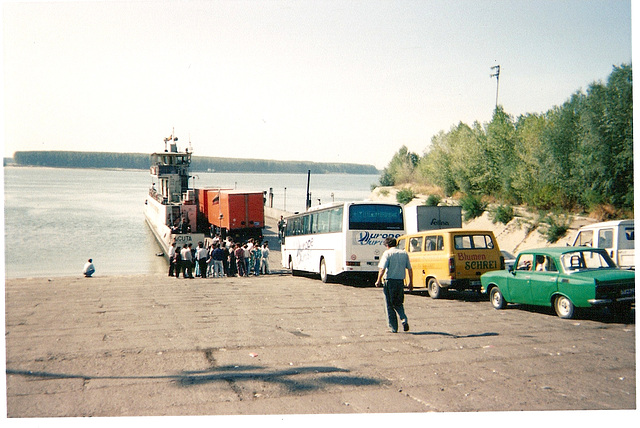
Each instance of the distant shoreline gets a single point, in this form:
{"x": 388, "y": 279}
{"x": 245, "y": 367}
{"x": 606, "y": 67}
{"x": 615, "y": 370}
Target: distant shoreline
{"x": 140, "y": 161}
{"x": 14, "y": 165}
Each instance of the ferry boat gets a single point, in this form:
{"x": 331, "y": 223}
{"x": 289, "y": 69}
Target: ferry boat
{"x": 171, "y": 209}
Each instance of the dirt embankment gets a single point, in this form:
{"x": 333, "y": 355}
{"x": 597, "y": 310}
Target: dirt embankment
{"x": 521, "y": 233}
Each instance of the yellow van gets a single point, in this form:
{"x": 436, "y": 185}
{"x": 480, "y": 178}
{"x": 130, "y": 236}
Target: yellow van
{"x": 451, "y": 258}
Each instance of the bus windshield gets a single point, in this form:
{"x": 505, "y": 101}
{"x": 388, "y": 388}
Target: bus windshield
{"x": 375, "y": 217}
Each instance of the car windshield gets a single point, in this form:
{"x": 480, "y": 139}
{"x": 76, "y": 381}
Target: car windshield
{"x": 586, "y": 259}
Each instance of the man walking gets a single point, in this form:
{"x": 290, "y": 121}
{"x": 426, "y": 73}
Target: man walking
{"x": 394, "y": 262}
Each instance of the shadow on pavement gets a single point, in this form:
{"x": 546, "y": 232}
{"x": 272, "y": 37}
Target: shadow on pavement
{"x": 294, "y": 379}
{"x": 603, "y": 315}
{"x": 455, "y": 336}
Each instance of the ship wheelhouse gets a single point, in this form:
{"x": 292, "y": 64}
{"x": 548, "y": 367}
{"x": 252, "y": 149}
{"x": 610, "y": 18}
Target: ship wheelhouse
{"x": 170, "y": 171}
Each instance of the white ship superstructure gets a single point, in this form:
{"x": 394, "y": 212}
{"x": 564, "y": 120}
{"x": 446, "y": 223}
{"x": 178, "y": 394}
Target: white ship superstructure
{"x": 171, "y": 208}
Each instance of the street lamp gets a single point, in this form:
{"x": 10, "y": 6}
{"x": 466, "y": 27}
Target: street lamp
{"x": 497, "y": 76}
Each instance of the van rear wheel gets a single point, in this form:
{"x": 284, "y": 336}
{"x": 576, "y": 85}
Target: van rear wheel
{"x": 435, "y": 291}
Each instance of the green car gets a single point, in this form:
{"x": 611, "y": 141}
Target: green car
{"x": 565, "y": 278}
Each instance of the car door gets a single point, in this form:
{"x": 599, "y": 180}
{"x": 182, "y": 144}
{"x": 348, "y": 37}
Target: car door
{"x": 544, "y": 280}
{"x": 520, "y": 280}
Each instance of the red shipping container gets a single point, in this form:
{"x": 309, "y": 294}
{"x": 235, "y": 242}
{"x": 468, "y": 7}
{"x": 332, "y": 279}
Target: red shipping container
{"x": 232, "y": 210}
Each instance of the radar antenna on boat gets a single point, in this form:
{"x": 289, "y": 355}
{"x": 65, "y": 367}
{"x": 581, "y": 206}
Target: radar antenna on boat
{"x": 174, "y": 146}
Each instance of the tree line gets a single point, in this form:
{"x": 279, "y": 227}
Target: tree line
{"x": 575, "y": 157}
{"x": 71, "y": 159}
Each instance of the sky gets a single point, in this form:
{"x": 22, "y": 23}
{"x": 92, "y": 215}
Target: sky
{"x": 326, "y": 81}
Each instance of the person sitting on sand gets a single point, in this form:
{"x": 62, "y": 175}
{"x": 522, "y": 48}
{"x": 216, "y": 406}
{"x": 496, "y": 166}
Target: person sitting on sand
{"x": 89, "y": 269}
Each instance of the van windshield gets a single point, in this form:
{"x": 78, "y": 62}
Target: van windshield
{"x": 473, "y": 242}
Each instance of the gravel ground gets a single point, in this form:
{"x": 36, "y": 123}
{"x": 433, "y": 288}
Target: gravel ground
{"x": 154, "y": 345}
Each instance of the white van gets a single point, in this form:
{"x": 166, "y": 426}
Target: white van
{"x": 616, "y": 237}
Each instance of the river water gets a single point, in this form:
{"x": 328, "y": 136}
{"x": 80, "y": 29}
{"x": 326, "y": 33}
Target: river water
{"x": 56, "y": 218}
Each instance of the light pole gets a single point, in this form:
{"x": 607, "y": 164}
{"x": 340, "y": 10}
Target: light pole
{"x": 497, "y": 76}
{"x": 285, "y": 198}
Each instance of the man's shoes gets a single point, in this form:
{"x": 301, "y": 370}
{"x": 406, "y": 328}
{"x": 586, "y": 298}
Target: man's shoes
{"x": 405, "y": 326}
{"x": 392, "y": 330}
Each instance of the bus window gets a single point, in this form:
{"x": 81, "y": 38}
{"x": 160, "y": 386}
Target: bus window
{"x": 335, "y": 219}
{"x": 375, "y": 217}
{"x": 306, "y": 226}
{"x": 294, "y": 227}
{"x": 322, "y": 222}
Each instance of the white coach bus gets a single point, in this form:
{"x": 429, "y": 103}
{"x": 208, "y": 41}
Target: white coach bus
{"x": 340, "y": 239}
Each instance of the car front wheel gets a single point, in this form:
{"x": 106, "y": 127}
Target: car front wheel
{"x": 564, "y": 308}
{"x": 497, "y": 300}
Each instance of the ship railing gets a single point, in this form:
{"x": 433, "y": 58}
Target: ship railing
{"x": 157, "y": 196}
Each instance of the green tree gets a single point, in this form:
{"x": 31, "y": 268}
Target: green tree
{"x": 434, "y": 168}
{"x": 400, "y": 169}
{"x": 500, "y": 154}
{"x": 529, "y": 158}
{"x": 560, "y": 143}
{"x": 455, "y": 160}
{"x": 606, "y": 152}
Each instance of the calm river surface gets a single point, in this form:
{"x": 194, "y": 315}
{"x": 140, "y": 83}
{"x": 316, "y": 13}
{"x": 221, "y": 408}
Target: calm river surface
{"x": 55, "y": 218}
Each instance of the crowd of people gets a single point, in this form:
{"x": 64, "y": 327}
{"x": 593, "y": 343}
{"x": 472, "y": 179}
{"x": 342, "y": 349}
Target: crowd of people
{"x": 221, "y": 258}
